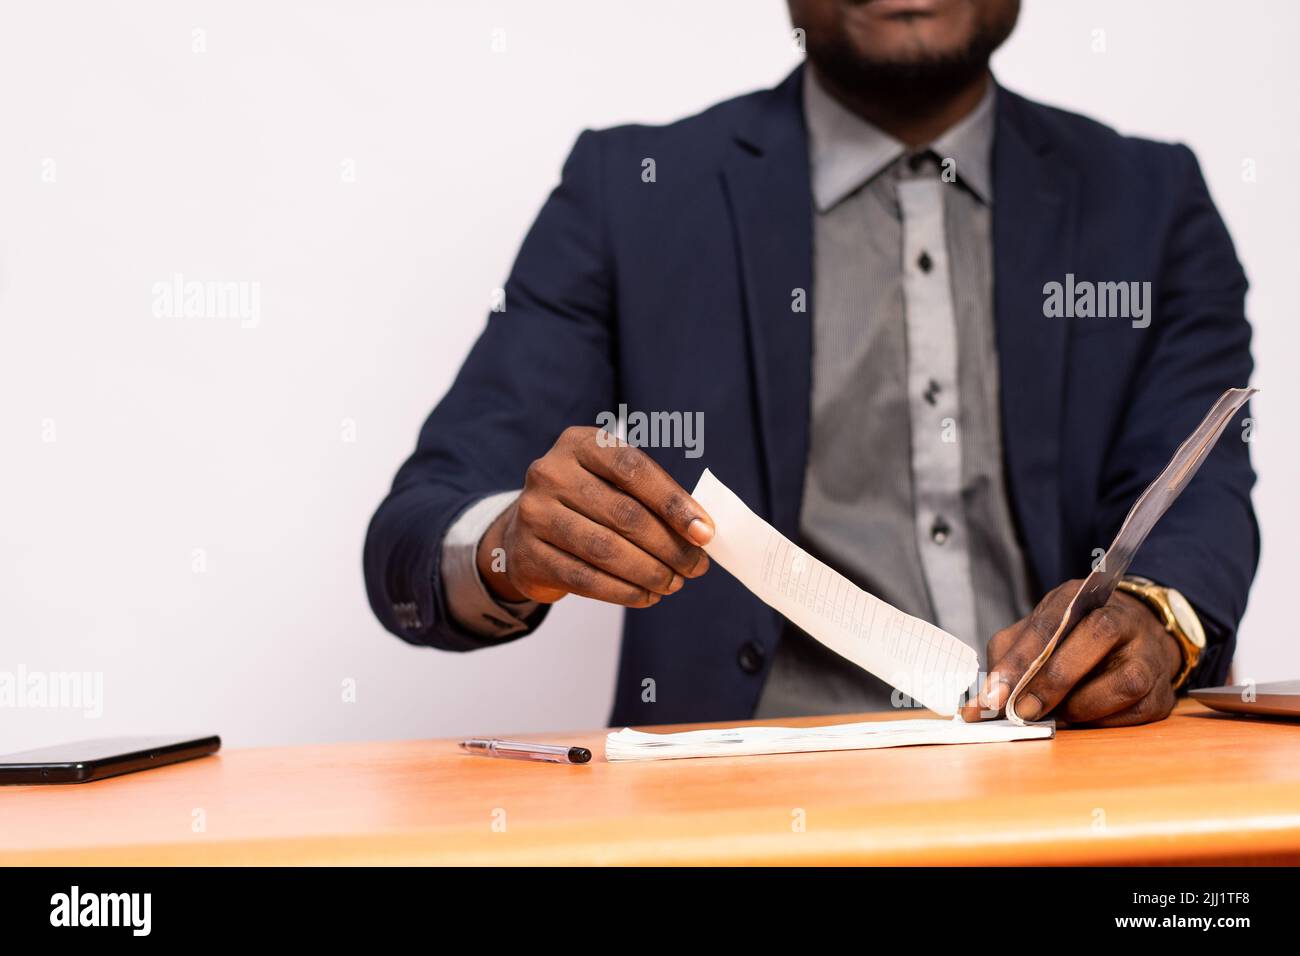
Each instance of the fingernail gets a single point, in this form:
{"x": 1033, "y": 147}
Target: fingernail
{"x": 676, "y": 584}
{"x": 1028, "y": 707}
{"x": 998, "y": 698}
{"x": 699, "y": 532}
{"x": 701, "y": 560}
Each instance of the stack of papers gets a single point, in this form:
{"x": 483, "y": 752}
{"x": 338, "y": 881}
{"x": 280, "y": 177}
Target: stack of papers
{"x": 630, "y": 744}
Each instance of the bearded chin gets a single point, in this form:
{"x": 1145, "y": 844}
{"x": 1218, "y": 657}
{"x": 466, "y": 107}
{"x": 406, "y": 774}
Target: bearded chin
{"x": 921, "y": 78}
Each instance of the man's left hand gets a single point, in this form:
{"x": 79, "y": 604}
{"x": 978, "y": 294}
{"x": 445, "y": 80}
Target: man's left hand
{"x": 1114, "y": 669}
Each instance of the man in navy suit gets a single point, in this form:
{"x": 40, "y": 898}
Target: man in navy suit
{"x": 942, "y": 336}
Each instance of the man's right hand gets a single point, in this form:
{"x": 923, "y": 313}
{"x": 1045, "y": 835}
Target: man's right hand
{"x": 595, "y": 518}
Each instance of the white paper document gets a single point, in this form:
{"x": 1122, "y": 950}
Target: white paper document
{"x": 630, "y": 744}
{"x": 925, "y": 663}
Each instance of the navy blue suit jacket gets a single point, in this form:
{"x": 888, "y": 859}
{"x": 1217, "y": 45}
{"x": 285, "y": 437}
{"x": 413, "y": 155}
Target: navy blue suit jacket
{"x": 676, "y": 295}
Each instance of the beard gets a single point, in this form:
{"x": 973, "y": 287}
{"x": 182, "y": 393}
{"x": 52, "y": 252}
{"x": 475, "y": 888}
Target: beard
{"x": 922, "y": 77}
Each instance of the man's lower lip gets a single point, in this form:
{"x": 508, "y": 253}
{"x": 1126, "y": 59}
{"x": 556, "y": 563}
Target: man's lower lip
{"x": 885, "y": 7}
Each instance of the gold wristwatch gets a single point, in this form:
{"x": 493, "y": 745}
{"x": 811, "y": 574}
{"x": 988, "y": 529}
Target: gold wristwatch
{"x": 1176, "y": 614}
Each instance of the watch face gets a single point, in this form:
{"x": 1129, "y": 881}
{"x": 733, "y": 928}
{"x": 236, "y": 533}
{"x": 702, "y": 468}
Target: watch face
{"x": 1186, "y": 617}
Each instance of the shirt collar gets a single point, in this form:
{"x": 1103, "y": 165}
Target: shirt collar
{"x": 846, "y": 151}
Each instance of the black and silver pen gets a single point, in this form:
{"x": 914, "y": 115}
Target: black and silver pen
{"x": 550, "y": 753}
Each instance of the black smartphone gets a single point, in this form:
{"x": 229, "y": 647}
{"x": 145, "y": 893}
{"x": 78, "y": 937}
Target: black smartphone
{"x": 87, "y": 760}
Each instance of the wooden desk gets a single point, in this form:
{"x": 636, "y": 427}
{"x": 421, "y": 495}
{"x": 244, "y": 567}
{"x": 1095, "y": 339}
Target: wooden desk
{"x": 1197, "y": 788}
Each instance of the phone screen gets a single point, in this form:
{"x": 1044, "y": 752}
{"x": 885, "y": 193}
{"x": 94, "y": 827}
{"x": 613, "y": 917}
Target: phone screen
{"x": 89, "y": 751}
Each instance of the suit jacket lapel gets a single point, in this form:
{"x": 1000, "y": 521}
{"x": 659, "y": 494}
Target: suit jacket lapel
{"x": 1034, "y": 199}
{"x": 768, "y": 187}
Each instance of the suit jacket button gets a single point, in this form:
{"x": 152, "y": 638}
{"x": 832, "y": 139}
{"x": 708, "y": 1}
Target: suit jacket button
{"x": 751, "y": 657}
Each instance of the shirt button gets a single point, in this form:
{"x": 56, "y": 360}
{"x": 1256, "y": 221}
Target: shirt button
{"x": 939, "y": 531}
{"x": 924, "y": 262}
{"x": 751, "y": 657}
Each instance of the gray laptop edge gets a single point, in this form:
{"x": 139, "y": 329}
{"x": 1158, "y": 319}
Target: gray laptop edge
{"x": 1278, "y": 699}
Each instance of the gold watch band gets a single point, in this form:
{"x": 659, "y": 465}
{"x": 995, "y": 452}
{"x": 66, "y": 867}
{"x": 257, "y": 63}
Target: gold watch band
{"x": 1159, "y": 600}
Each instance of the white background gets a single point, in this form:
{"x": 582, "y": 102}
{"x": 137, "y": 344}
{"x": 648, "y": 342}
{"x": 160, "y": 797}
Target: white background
{"x": 172, "y": 435}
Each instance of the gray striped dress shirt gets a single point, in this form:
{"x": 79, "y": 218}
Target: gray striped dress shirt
{"x": 904, "y": 491}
